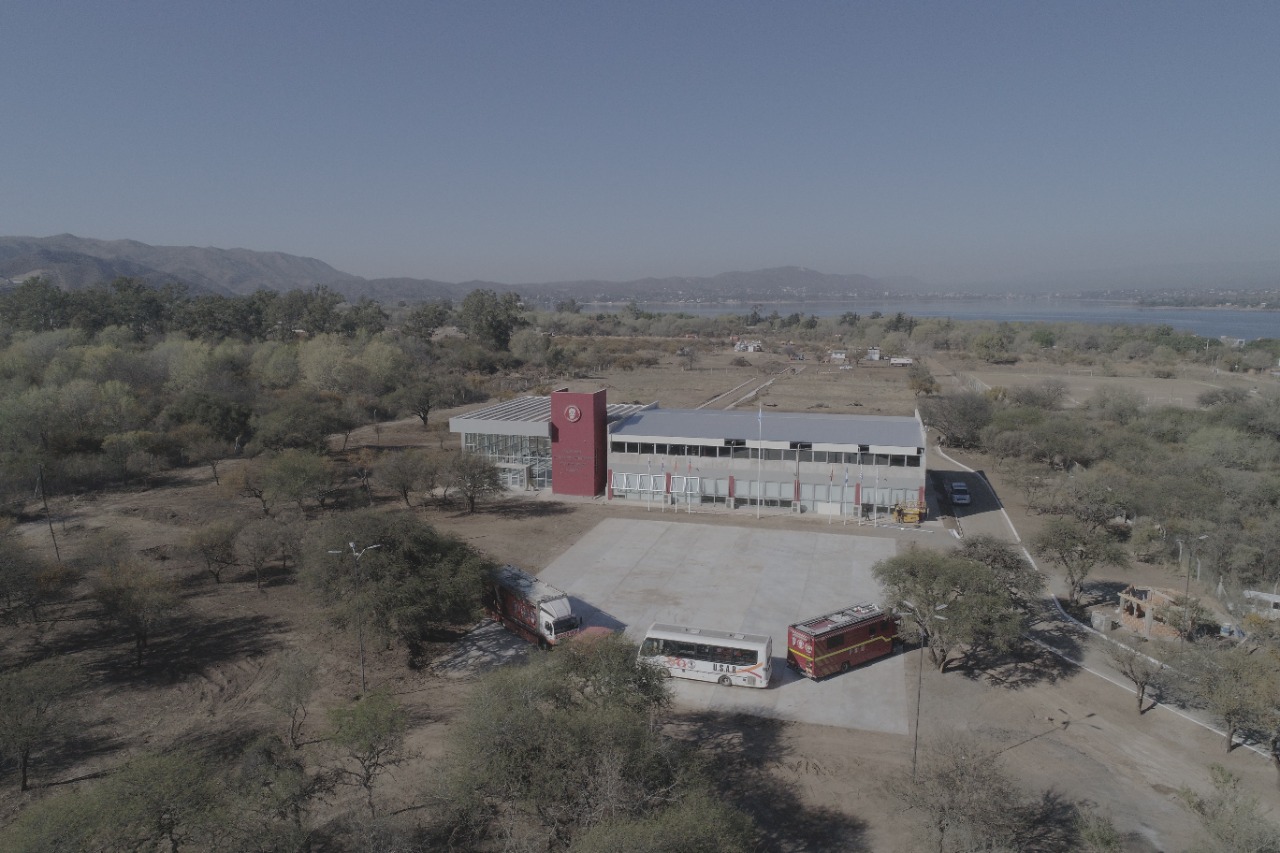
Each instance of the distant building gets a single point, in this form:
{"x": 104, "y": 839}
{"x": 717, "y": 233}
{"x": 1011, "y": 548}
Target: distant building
{"x": 839, "y": 356}
{"x": 873, "y": 353}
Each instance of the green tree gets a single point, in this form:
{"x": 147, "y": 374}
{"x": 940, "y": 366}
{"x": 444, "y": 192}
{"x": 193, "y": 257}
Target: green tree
{"x": 490, "y": 318}
{"x": 214, "y": 544}
{"x": 960, "y": 418}
{"x": 415, "y": 581}
{"x": 27, "y": 582}
{"x": 920, "y": 380}
{"x": 256, "y": 543}
{"x": 953, "y": 601}
{"x": 565, "y": 750}
{"x": 272, "y": 789}
{"x": 300, "y": 476}
{"x": 475, "y": 477}
{"x": 292, "y": 688}
{"x": 423, "y": 321}
{"x": 34, "y": 709}
{"x": 963, "y": 801}
{"x": 402, "y": 471}
{"x": 1233, "y": 821}
{"x": 300, "y": 420}
{"x": 138, "y": 597}
{"x": 371, "y": 734}
{"x": 698, "y": 823}
{"x": 1142, "y": 670}
{"x": 1076, "y": 550}
{"x": 1235, "y": 684}
{"x": 177, "y": 799}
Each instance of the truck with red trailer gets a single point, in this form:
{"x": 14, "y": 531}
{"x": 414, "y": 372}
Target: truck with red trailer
{"x": 841, "y": 640}
{"x": 529, "y": 607}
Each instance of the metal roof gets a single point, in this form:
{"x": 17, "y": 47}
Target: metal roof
{"x": 879, "y": 430}
{"x": 526, "y": 410}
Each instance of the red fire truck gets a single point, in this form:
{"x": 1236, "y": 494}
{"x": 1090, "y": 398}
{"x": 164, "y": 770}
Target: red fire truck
{"x": 841, "y": 640}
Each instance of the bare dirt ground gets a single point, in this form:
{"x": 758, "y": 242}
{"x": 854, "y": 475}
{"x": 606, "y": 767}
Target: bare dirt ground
{"x": 814, "y": 787}
{"x": 1186, "y": 384}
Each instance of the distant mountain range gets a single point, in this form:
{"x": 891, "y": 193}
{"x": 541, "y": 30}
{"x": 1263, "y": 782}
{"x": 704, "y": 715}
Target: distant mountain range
{"x": 74, "y": 263}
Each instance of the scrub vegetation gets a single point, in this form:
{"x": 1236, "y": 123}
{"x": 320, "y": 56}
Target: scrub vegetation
{"x": 314, "y": 513}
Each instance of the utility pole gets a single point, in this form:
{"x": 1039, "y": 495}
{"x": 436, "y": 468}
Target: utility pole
{"x": 359, "y": 603}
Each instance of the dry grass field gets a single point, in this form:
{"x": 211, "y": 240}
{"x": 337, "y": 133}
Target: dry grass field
{"x": 814, "y": 787}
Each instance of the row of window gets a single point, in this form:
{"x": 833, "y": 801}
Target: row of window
{"x": 697, "y": 651}
{"x": 522, "y": 449}
{"x": 826, "y": 457}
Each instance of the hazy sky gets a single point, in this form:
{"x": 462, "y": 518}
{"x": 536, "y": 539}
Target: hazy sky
{"x": 529, "y": 141}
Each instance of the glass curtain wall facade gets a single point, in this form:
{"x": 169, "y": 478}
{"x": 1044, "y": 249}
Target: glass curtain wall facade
{"x": 524, "y": 461}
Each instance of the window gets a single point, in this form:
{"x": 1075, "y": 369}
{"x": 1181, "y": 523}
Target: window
{"x": 617, "y": 447}
{"x": 646, "y": 449}
{"x": 835, "y": 642}
{"x": 913, "y": 461}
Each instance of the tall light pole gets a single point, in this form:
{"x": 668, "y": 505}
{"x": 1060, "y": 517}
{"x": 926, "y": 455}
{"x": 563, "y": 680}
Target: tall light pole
{"x": 915, "y": 746}
{"x": 1186, "y": 594}
{"x": 359, "y": 603}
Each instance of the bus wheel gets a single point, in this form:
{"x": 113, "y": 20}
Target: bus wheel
{"x": 844, "y": 667}
{"x": 724, "y": 680}
{"x": 543, "y": 644}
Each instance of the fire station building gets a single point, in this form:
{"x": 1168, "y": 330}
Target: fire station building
{"x": 856, "y": 466}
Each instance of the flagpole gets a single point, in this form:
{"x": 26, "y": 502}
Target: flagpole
{"x": 844, "y": 494}
{"x": 759, "y": 458}
{"x": 875, "y": 501}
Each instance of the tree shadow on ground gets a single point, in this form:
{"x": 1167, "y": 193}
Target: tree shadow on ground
{"x": 1103, "y": 592}
{"x": 519, "y": 508}
{"x": 1028, "y": 665}
{"x": 50, "y": 768}
{"x": 1033, "y": 660}
{"x": 184, "y": 648}
{"x": 487, "y": 646}
{"x": 744, "y": 752}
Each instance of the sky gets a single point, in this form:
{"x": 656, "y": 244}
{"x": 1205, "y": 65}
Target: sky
{"x": 531, "y": 141}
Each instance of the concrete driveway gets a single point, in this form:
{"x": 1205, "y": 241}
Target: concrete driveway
{"x": 627, "y": 574}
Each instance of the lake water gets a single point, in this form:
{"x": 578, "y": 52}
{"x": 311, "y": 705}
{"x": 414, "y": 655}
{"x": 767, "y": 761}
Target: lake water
{"x": 1207, "y": 322}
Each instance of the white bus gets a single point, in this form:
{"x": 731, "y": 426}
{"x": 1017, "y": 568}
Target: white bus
{"x": 705, "y": 655}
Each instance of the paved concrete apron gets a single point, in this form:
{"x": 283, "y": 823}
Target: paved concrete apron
{"x": 629, "y": 574}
